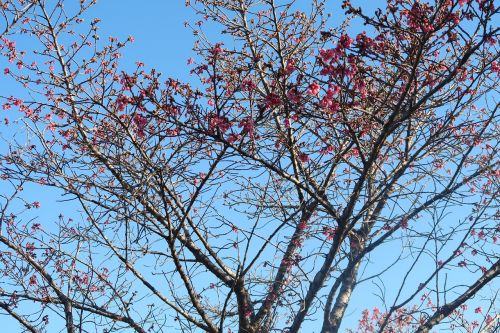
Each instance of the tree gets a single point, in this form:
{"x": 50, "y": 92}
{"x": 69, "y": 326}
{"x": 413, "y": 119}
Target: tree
{"x": 310, "y": 167}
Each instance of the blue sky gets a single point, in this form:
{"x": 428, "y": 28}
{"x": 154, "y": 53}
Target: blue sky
{"x": 163, "y": 42}
{"x": 161, "y": 39}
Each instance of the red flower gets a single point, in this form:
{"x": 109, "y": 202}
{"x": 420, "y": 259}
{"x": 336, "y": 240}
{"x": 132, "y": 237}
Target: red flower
{"x": 248, "y": 126}
{"x": 314, "y": 89}
{"x": 345, "y": 41}
{"x": 293, "y": 96}
{"x": 303, "y": 157}
{"x": 33, "y": 281}
{"x": 272, "y": 100}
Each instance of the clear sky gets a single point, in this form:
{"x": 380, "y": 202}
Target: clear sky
{"x": 163, "y": 42}
{"x": 161, "y": 39}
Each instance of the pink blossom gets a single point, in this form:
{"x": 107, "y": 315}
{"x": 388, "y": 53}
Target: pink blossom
{"x": 345, "y": 41}
{"x": 314, "y": 89}
{"x": 272, "y": 100}
{"x": 303, "y": 157}
{"x": 290, "y": 66}
{"x": 293, "y": 96}
{"x": 248, "y": 126}
{"x": 328, "y": 55}
{"x": 33, "y": 281}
